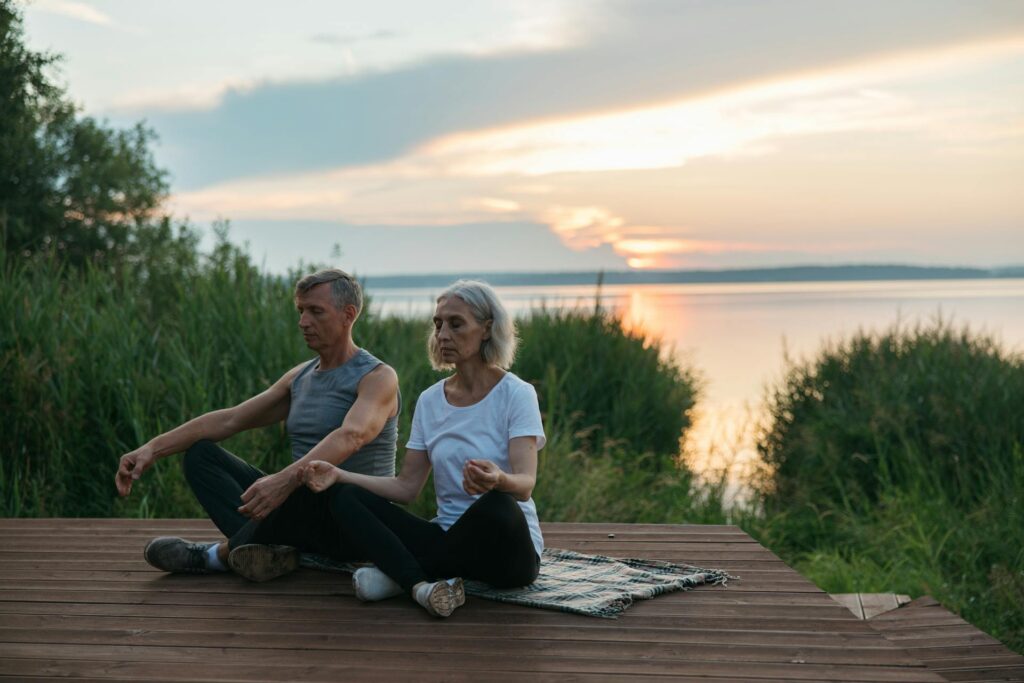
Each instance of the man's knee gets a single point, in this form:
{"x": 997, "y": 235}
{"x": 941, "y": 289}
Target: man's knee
{"x": 343, "y": 497}
{"x": 199, "y": 456}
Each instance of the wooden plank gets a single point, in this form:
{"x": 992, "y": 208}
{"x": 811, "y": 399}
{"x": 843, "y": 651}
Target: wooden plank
{"x": 88, "y": 670}
{"x": 315, "y": 583}
{"x": 590, "y": 630}
{"x": 215, "y": 602}
{"x": 850, "y": 601}
{"x": 694, "y": 534}
{"x": 1010, "y": 673}
{"x": 364, "y": 616}
{"x": 748, "y": 595}
{"x": 877, "y": 603}
{"x": 120, "y": 523}
{"x": 97, "y": 546}
{"x": 689, "y": 662}
{"x": 939, "y": 655}
{"x": 466, "y": 646}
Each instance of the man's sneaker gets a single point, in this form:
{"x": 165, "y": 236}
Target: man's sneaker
{"x": 371, "y": 584}
{"x": 263, "y": 562}
{"x": 176, "y": 555}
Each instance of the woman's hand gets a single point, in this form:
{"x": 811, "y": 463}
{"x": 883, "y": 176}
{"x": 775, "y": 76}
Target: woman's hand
{"x": 320, "y": 476}
{"x": 480, "y": 476}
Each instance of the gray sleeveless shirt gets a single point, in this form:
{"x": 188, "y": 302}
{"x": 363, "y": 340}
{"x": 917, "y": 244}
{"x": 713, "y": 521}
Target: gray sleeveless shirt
{"x": 320, "y": 402}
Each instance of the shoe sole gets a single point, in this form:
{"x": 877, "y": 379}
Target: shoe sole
{"x": 263, "y": 562}
{"x": 445, "y": 598}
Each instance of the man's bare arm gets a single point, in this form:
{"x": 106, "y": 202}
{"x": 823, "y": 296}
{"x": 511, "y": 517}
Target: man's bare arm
{"x": 377, "y": 400}
{"x": 265, "y": 408}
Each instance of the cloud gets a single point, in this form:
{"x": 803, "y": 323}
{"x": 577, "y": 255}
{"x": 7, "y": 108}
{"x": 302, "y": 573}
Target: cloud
{"x": 346, "y": 39}
{"x": 582, "y": 227}
{"x": 382, "y": 249}
{"x": 75, "y": 10}
{"x": 632, "y": 55}
{"x": 738, "y": 122}
{"x": 588, "y": 227}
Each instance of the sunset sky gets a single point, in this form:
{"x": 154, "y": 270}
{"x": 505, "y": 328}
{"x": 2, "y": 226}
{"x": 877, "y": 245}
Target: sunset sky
{"x": 452, "y": 136}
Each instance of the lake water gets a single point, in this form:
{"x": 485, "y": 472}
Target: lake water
{"x": 737, "y": 335}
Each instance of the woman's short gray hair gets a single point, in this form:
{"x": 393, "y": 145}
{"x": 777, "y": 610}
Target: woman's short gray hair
{"x": 485, "y": 305}
{"x": 345, "y": 289}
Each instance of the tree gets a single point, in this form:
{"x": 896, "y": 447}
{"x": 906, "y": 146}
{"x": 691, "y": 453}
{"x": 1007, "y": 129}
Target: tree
{"x": 69, "y": 184}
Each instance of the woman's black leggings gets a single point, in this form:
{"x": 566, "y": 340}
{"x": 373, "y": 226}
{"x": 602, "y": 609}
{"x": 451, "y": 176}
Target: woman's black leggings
{"x": 490, "y": 542}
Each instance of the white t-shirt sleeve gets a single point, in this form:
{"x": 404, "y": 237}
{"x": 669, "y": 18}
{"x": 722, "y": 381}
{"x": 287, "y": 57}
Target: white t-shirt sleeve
{"x": 524, "y": 415}
{"x": 417, "y": 440}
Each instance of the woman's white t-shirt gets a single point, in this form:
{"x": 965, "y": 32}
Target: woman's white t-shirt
{"x": 451, "y": 435}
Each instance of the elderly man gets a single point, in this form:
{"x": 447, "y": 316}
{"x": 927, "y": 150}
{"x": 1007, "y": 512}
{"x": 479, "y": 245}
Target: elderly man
{"x": 341, "y": 406}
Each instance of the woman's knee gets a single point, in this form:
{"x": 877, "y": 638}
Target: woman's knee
{"x": 499, "y": 509}
{"x": 518, "y": 571}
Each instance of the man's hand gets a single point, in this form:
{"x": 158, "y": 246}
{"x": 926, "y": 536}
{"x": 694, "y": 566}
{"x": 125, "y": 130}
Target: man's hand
{"x": 480, "y": 476}
{"x": 320, "y": 476}
{"x": 267, "y": 493}
{"x": 131, "y": 467}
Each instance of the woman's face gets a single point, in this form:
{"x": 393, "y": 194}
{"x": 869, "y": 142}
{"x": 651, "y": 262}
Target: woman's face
{"x": 457, "y": 333}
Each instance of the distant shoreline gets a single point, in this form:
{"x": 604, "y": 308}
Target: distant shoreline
{"x": 848, "y": 273}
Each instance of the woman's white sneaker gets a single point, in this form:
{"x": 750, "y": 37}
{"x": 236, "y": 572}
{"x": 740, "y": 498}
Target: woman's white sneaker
{"x": 440, "y": 598}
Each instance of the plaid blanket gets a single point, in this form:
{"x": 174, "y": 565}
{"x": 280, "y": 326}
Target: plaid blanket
{"x": 593, "y": 585}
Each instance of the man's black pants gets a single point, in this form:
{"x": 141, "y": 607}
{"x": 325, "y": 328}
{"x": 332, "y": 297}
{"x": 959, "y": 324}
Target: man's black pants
{"x": 218, "y": 479}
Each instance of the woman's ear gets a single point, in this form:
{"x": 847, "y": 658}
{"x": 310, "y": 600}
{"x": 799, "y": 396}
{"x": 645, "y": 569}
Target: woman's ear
{"x": 487, "y": 329}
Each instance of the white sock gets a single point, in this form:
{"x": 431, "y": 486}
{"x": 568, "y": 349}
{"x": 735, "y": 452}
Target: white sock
{"x": 372, "y": 584}
{"x": 213, "y": 560}
{"x": 421, "y": 594}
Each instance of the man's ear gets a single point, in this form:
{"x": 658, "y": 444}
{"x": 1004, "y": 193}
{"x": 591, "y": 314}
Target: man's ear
{"x": 350, "y": 314}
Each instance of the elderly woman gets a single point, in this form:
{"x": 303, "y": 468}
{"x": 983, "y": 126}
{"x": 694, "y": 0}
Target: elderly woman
{"x": 480, "y": 430}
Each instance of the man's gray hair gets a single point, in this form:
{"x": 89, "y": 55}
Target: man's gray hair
{"x": 485, "y": 305}
{"x": 345, "y": 289}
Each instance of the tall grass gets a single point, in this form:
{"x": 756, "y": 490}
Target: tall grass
{"x": 895, "y": 462}
{"x": 93, "y": 365}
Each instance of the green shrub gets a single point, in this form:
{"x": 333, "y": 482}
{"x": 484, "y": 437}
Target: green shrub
{"x": 893, "y": 463}
{"x": 929, "y": 407}
{"x": 615, "y": 388}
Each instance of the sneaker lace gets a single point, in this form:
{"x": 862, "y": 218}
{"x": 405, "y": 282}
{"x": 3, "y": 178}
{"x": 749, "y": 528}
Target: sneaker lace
{"x": 195, "y": 559}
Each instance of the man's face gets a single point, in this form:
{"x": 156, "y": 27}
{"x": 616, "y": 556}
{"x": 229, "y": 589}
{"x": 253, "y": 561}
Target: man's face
{"x": 322, "y": 324}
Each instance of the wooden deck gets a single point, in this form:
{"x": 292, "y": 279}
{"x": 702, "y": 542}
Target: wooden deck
{"x": 77, "y": 600}
{"x": 949, "y": 645}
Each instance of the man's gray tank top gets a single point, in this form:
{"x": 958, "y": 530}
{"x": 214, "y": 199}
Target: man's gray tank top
{"x": 320, "y": 402}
